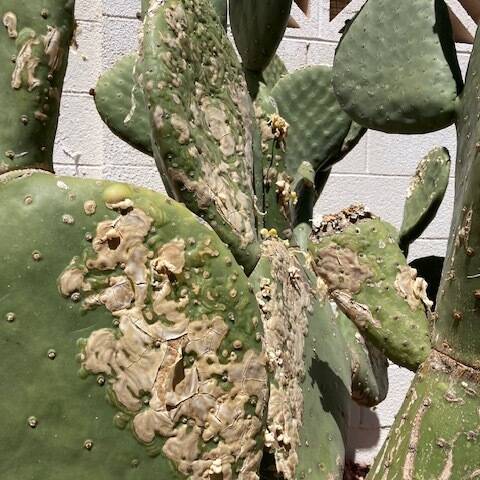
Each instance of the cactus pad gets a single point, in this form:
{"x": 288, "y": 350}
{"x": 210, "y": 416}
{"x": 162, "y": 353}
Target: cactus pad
{"x": 121, "y": 104}
{"x": 425, "y": 194}
{"x": 274, "y": 72}
{"x": 33, "y": 53}
{"x": 358, "y": 257}
{"x": 318, "y": 125}
{"x": 202, "y": 119}
{"x": 458, "y": 301}
{"x": 130, "y": 335}
{"x": 310, "y": 386}
{"x": 435, "y": 432}
{"x": 369, "y": 366}
{"x": 258, "y": 28}
{"x": 396, "y": 70}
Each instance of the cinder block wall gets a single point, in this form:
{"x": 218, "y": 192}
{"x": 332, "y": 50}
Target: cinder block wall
{"x": 375, "y": 173}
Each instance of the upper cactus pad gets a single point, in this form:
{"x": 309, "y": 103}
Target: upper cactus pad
{"x": 396, "y": 69}
{"x": 121, "y": 104}
{"x": 202, "y": 119}
{"x": 317, "y": 124}
{"x": 258, "y": 28}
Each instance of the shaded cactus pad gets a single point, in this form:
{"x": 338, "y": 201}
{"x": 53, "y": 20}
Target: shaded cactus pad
{"x": 258, "y": 29}
{"x": 130, "y": 334}
{"x": 310, "y": 382}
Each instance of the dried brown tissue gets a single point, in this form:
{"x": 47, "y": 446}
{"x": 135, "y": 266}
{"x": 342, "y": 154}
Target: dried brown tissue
{"x": 186, "y": 404}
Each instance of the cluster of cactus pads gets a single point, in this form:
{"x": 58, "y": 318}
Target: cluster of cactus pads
{"x": 216, "y": 333}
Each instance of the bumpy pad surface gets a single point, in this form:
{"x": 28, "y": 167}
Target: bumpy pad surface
{"x": 317, "y": 124}
{"x": 369, "y": 366}
{"x": 457, "y": 326}
{"x": 425, "y": 194}
{"x": 221, "y": 9}
{"x": 128, "y": 338}
{"x": 121, "y": 104}
{"x": 396, "y": 69}
{"x": 202, "y": 119}
{"x": 274, "y": 72}
{"x": 435, "y": 431}
{"x": 358, "y": 257}
{"x": 310, "y": 385}
{"x": 258, "y": 29}
{"x": 276, "y": 182}
{"x": 35, "y": 38}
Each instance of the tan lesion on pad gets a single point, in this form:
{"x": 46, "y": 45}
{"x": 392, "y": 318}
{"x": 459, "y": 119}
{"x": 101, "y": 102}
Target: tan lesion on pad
{"x": 165, "y": 373}
{"x": 285, "y": 305}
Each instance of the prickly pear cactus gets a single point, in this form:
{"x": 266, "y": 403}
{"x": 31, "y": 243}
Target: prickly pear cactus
{"x": 436, "y": 432}
{"x": 305, "y": 436}
{"x": 140, "y": 345}
{"x": 258, "y": 29}
{"x": 202, "y": 119}
{"x": 425, "y": 194}
{"x": 366, "y": 78}
{"x": 318, "y": 125}
{"x": 358, "y": 257}
{"x": 33, "y": 52}
{"x": 146, "y": 357}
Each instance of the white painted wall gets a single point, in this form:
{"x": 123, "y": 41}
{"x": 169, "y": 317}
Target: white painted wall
{"x": 376, "y": 172}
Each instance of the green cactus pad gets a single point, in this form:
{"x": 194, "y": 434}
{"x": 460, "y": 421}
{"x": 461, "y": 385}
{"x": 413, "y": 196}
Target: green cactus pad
{"x": 303, "y": 186}
{"x": 456, "y": 331}
{"x": 222, "y": 11}
{"x": 276, "y": 183}
{"x": 35, "y": 39}
{"x": 258, "y": 29}
{"x": 435, "y": 434}
{"x": 358, "y": 257}
{"x": 202, "y": 119}
{"x": 425, "y": 195}
{"x": 121, "y": 104}
{"x": 318, "y": 126}
{"x": 396, "y": 70}
{"x": 125, "y": 322}
{"x": 310, "y": 389}
{"x": 369, "y": 366}
{"x": 274, "y": 72}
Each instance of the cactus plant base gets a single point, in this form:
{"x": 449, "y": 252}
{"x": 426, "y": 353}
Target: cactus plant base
{"x": 122, "y": 317}
{"x": 436, "y": 433}
{"x": 310, "y": 388}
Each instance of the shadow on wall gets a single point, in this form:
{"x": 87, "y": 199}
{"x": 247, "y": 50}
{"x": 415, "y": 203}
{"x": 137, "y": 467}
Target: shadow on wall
{"x": 364, "y": 432}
